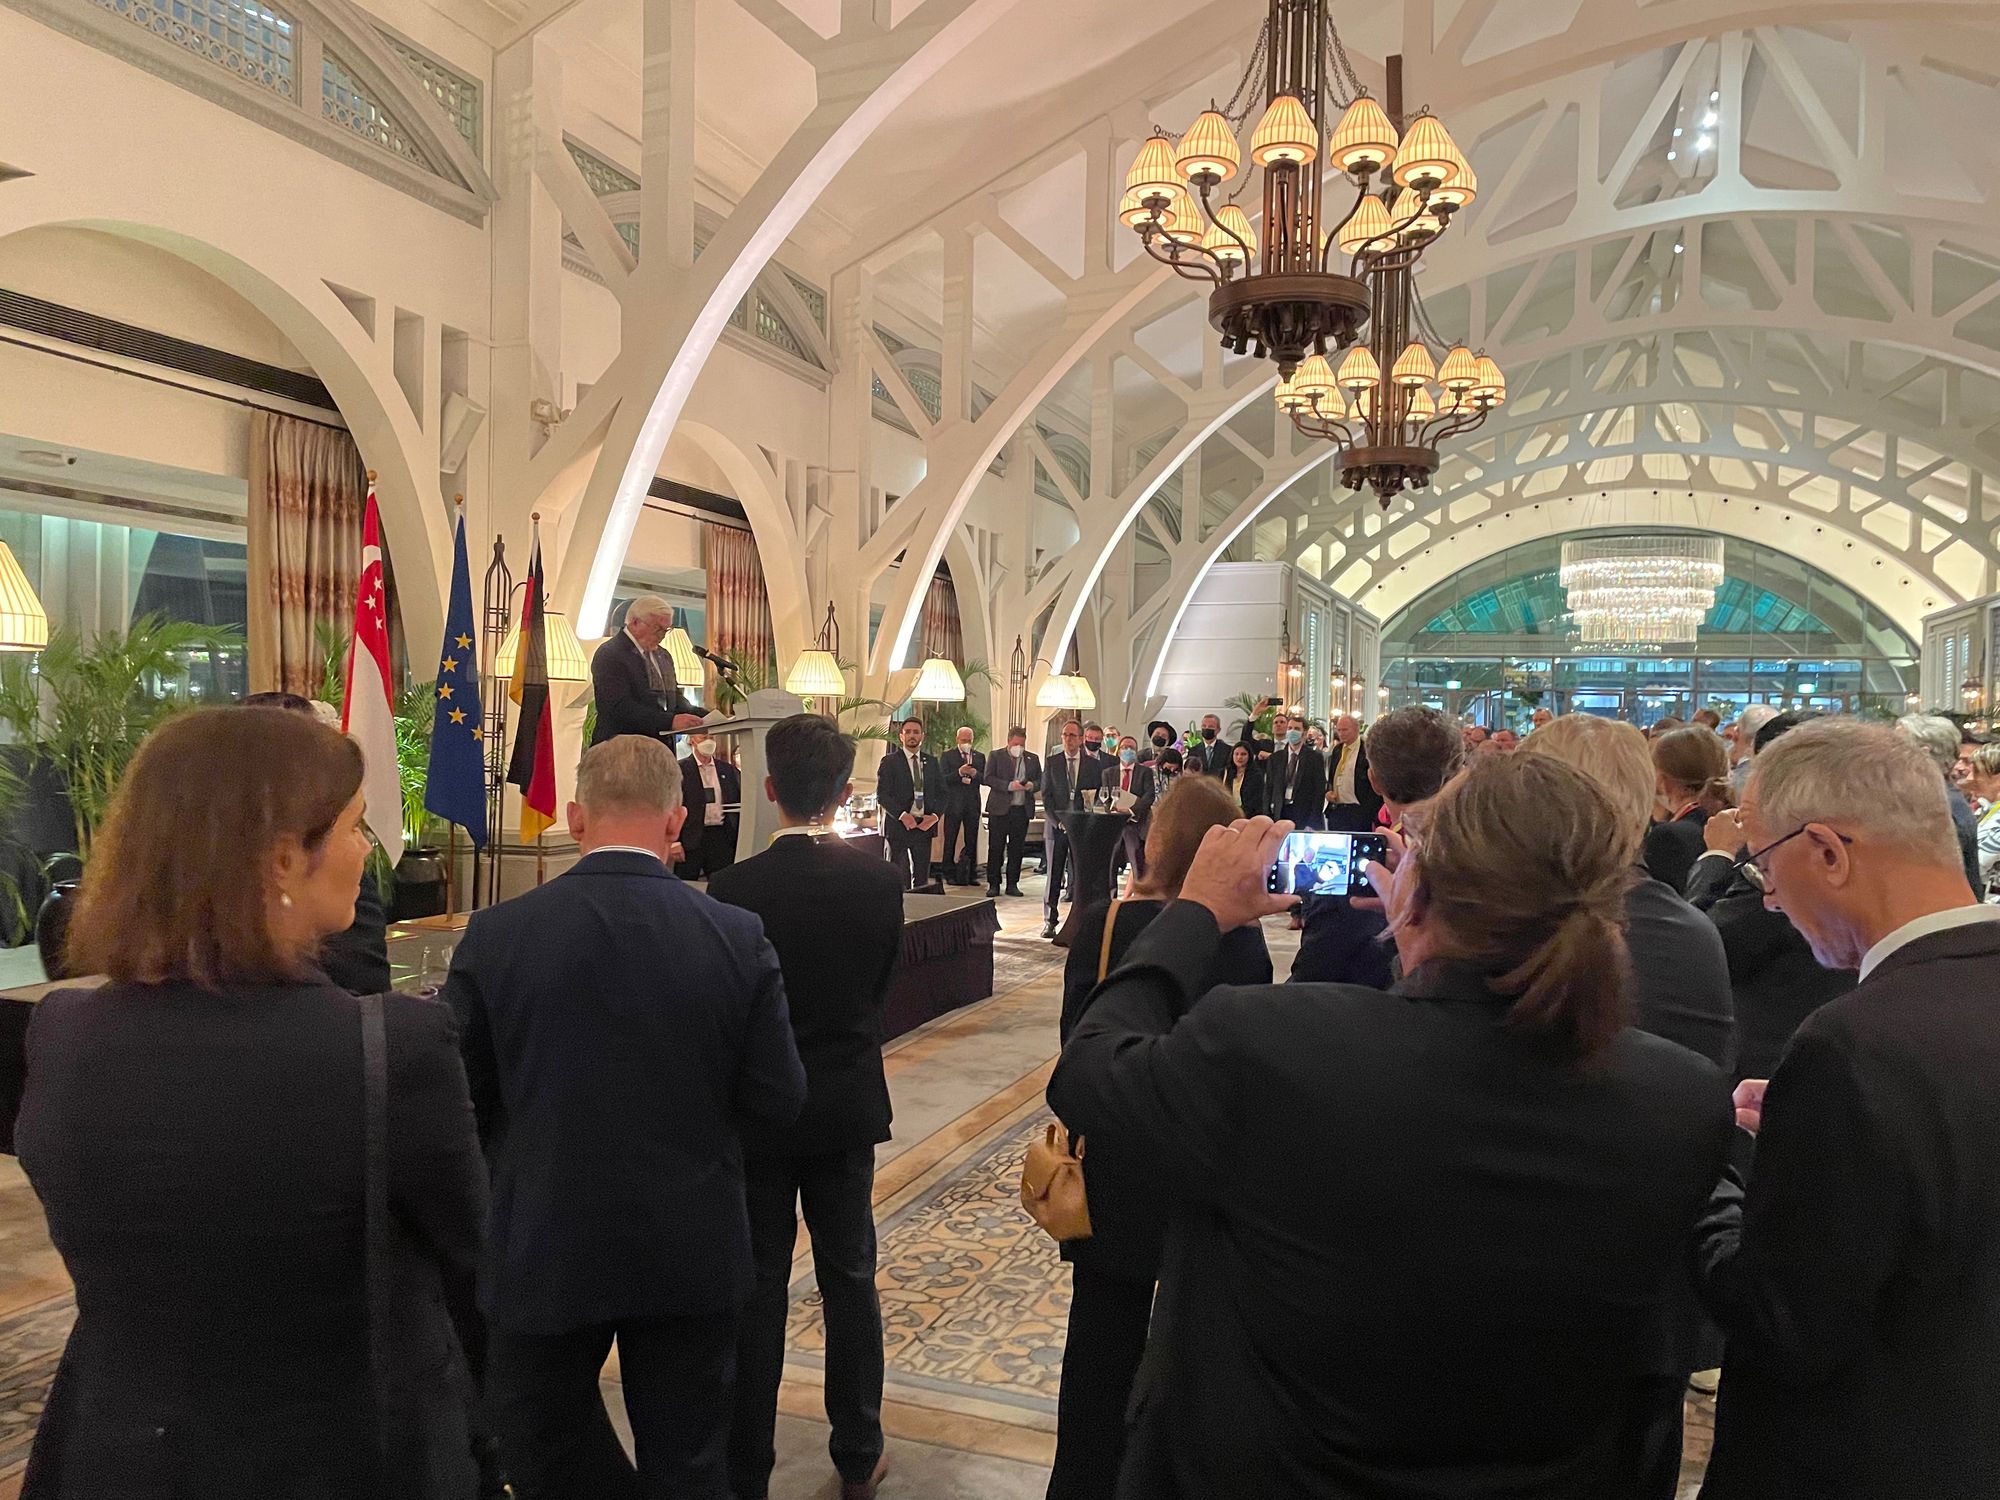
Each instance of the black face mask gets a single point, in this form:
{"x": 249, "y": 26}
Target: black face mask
{"x": 1209, "y": 735}
{"x": 1159, "y": 744}
{"x": 1093, "y": 746}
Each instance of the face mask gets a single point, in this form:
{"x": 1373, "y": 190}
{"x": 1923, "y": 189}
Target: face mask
{"x": 1128, "y": 756}
{"x": 1209, "y": 735}
{"x": 1292, "y": 736}
{"x": 1158, "y": 743}
{"x": 1093, "y": 746}
{"x": 705, "y": 749}
{"x": 964, "y": 745}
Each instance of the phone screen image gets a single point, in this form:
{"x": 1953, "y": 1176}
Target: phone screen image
{"x": 1326, "y": 864}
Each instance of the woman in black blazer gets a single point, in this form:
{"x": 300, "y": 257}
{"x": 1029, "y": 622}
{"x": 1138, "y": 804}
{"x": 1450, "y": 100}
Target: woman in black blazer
{"x": 1111, "y": 1295}
{"x": 1243, "y": 779}
{"x": 1692, "y": 766}
{"x": 197, "y": 1130}
{"x": 1420, "y": 1243}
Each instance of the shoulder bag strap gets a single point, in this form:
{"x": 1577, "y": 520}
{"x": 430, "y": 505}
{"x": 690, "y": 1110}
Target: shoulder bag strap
{"x": 375, "y": 1132}
{"x": 1110, "y": 928}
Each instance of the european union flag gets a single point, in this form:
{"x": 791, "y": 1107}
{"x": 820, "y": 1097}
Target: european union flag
{"x": 455, "y": 787}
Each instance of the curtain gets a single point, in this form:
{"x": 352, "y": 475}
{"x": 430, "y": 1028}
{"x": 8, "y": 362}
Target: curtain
{"x": 308, "y": 489}
{"x": 739, "y": 608}
{"x": 943, "y": 635}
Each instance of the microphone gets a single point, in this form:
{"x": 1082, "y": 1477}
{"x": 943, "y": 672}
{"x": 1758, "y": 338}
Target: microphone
{"x": 722, "y": 663}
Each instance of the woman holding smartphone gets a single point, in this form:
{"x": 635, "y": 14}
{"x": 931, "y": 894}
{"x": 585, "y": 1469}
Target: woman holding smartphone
{"x": 1113, "y": 1272}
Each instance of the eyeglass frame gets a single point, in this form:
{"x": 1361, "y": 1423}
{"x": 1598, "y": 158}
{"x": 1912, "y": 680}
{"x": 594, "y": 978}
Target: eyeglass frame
{"x": 1757, "y": 875}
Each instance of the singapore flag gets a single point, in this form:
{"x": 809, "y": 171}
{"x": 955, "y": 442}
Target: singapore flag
{"x": 365, "y": 713}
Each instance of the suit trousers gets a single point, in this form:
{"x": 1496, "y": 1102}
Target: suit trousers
{"x": 910, "y": 852}
{"x": 961, "y": 825}
{"x": 708, "y": 848}
{"x": 1650, "y": 1437}
{"x": 558, "y": 1441}
{"x": 1055, "y": 859}
{"x": 836, "y": 1190}
{"x": 1108, "y": 1319}
{"x": 1131, "y": 851}
{"x": 1006, "y": 843}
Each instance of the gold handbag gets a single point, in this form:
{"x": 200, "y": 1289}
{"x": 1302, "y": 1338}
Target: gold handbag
{"x": 1052, "y": 1176}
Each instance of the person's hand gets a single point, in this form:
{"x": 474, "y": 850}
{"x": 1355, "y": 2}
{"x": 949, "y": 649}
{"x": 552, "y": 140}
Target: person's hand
{"x": 1382, "y": 874}
{"x": 684, "y": 722}
{"x": 1017, "y": 786}
{"x": 928, "y": 822}
{"x": 1750, "y": 1103}
{"x": 965, "y": 773}
{"x": 1232, "y": 871}
{"x": 909, "y": 820}
{"x": 1723, "y": 832}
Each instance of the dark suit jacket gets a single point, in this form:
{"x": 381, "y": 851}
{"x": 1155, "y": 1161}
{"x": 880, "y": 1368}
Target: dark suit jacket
{"x": 201, "y": 1159}
{"x": 1775, "y": 981}
{"x": 620, "y": 1030}
{"x": 626, "y": 702}
{"x": 1342, "y": 944}
{"x": 897, "y": 793}
{"x": 694, "y": 795}
{"x": 1858, "y": 1278}
{"x": 960, "y": 795}
{"x": 1128, "y": 1216}
{"x": 1366, "y": 797}
{"x": 836, "y": 918}
{"x": 1965, "y": 823}
{"x": 1144, "y": 788}
{"x": 1367, "y": 1291}
{"x": 1672, "y": 848}
{"x": 1308, "y": 799}
{"x": 1207, "y": 760}
{"x": 1250, "y": 791}
{"x": 1058, "y": 795}
{"x": 1680, "y": 976}
{"x": 1000, "y": 769}
{"x": 358, "y": 959}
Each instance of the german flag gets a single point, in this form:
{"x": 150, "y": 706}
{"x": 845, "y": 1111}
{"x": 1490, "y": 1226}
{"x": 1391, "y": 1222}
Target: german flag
{"x": 532, "y": 767}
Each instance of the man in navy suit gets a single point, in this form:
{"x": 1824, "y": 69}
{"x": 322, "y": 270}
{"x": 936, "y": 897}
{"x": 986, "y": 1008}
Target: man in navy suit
{"x": 612, "y": 1091}
{"x": 712, "y": 793}
{"x": 910, "y": 787}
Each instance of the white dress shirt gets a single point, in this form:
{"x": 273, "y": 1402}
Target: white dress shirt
{"x": 1924, "y": 926}
{"x": 711, "y": 815}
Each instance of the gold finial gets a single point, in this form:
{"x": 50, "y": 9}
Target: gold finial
{"x": 371, "y": 476}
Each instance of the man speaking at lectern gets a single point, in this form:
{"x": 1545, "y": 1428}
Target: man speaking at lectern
{"x": 633, "y": 679}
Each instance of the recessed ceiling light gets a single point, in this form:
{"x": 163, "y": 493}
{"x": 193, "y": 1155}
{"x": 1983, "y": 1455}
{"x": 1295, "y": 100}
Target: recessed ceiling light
{"x": 1715, "y": 96}
{"x": 1708, "y": 120}
{"x": 1702, "y": 143}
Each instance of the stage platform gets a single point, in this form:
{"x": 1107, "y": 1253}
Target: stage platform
{"x": 947, "y": 963}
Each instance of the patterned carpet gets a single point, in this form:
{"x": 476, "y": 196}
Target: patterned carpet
{"x": 31, "y": 1341}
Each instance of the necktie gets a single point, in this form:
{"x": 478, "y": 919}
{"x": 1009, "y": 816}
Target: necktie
{"x": 1075, "y": 791}
{"x": 654, "y": 677}
{"x": 1128, "y": 780}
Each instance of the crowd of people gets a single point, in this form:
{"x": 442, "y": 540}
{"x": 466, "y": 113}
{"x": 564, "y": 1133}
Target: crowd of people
{"x": 1615, "y": 1130}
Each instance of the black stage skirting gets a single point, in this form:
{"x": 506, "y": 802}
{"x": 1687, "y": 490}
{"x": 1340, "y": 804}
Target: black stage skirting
{"x": 947, "y": 962}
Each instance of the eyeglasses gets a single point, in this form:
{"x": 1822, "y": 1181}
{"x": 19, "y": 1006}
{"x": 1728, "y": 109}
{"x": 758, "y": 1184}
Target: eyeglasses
{"x": 1751, "y": 866}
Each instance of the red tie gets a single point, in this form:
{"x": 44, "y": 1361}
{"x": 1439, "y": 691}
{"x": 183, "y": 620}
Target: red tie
{"x": 1128, "y": 780}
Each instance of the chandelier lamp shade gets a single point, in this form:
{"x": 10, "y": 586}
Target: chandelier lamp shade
{"x": 817, "y": 672}
{"x": 24, "y": 624}
{"x": 568, "y": 661}
{"x": 1640, "y": 590}
{"x": 679, "y": 646}
{"x": 1067, "y": 693}
{"x": 1317, "y": 270}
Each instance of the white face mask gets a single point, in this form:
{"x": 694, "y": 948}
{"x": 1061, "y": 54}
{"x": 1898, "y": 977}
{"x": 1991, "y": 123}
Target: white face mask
{"x": 705, "y": 749}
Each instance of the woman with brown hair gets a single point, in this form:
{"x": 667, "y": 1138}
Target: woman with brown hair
{"x": 266, "y": 1190}
{"x": 1421, "y": 1241}
{"x": 1692, "y": 768}
{"x": 1111, "y": 1288}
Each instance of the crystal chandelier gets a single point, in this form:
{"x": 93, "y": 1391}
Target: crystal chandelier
{"x": 1641, "y": 590}
{"x": 1311, "y": 283}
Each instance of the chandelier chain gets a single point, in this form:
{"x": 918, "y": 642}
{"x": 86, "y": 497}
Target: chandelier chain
{"x": 1237, "y": 110}
{"x": 1341, "y": 69}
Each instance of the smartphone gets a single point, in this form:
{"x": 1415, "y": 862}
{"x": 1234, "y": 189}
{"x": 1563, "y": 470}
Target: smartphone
{"x": 1326, "y": 864}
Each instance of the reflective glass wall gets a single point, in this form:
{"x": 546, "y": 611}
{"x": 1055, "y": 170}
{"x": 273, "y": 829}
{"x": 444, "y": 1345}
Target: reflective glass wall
{"x": 1495, "y": 641}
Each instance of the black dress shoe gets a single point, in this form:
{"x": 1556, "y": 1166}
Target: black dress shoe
{"x": 1015, "y": 890}
{"x": 1049, "y": 929}
{"x": 993, "y": 893}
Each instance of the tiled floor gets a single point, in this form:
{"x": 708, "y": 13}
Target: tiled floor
{"x": 974, "y": 1296}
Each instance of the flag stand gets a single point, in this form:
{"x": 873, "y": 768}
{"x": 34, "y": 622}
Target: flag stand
{"x": 451, "y": 870}
{"x": 497, "y": 617}
{"x": 541, "y": 859}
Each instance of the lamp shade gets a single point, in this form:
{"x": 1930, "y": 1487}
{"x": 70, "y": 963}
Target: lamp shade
{"x": 816, "y": 674}
{"x": 1492, "y": 385}
{"x": 1414, "y": 366}
{"x": 1208, "y": 150}
{"x": 1231, "y": 238}
{"x": 938, "y": 682}
{"x": 24, "y": 624}
{"x": 1285, "y": 134}
{"x": 1183, "y": 220}
{"x": 1460, "y": 371}
{"x": 679, "y": 645}
{"x": 1153, "y": 171}
{"x": 566, "y": 657}
{"x": 1364, "y": 139}
{"x": 1291, "y": 398}
{"x": 1427, "y": 154}
{"x": 1462, "y": 189}
{"x": 1370, "y": 222}
{"x": 1313, "y": 380}
{"x": 1417, "y": 221}
{"x": 1086, "y": 696}
{"x": 1359, "y": 371}
{"x": 1133, "y": 209}
{"x": 1420, "y": 407}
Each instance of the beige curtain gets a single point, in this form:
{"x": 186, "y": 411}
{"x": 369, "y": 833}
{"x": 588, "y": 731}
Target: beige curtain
{"x": 308, "y": 489}
{"x": 739, "y": 607}
{"x": 943, "y": 635}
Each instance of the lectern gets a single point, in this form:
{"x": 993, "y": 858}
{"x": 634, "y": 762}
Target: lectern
{"x": 758, "y": 822}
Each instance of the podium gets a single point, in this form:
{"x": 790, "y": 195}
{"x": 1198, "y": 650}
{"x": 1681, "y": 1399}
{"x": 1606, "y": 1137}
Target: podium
{"x": 757, "y": 823}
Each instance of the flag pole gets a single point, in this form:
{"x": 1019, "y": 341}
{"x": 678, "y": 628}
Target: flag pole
{"x": 451, "y": 870}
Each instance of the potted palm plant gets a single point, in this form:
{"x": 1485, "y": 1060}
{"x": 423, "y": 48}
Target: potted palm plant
{"x": 83, "y": 706}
